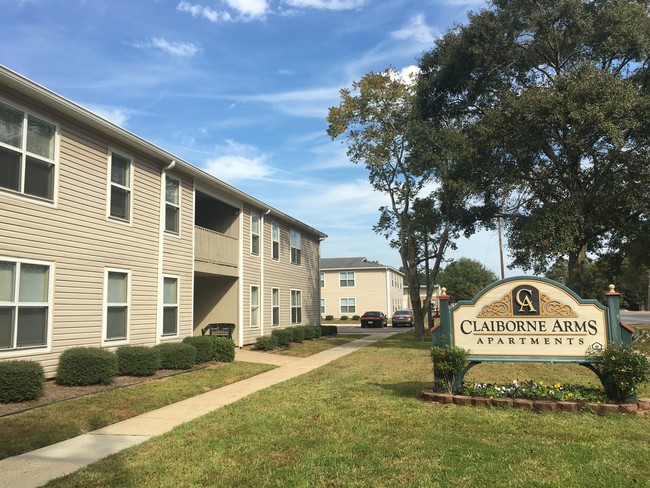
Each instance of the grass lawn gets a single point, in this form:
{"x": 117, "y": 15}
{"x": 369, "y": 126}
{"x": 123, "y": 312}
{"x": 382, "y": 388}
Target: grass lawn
{"x": 308, "y": 348}
{"x": 359, "y": 422}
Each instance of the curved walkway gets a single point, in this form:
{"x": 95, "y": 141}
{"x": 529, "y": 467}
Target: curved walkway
{"x": 36, "y": 468}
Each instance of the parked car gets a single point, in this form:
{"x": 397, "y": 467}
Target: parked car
{"x": 374, "y": 319}
{"x": 403, "y": 318}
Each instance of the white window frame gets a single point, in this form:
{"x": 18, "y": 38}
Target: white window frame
{"x": 275, "y": 306}
{"x": 323, "y": 308}
{"x": 128, "y": 188}
{"x": 347, "y": 279}
{"x": 275, "y": 239}
{"x": 347, "y": 305}
{"x": 174, "y": 205}
{"x": 122, "y": 340}
{"x": 295, "y": 243}
{"x": 15, "y": 303}
{"x": 24, "y": 154}
{"x": 254, "y": 308}
{"x": 297, "y": 293}
{"x": 171, "y": 305}
{"x": 322, "y": 279}
{"x": 255, "y": 234}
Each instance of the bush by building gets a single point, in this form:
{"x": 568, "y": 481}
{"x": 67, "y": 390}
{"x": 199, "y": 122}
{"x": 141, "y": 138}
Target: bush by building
{"x": 83, "y": 366}
{"x": 137, "y": 360}
{"x": 176, "y": 355}
{"x": 20, "y": 381}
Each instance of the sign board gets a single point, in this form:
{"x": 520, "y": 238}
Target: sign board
{"x": 526, "y": 318}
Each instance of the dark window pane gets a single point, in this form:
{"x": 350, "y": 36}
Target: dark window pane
{"x": 119, "y": 203}
{"x": 116, "y": 323}
{"x": 11, "y": 126}
{"x": 171, "y": 219}
{"x": 32, "y": 326}
{"x": 6, "y": 327}
{"x": 39, "y": 178}
{"x": 255, "y": 244}
{"x": 120, "y": 169}
{"x": 276, "y": 316}
{"x": 170, "y": 319}
{"x": 9, "y": 169}
{"x": 276, "y": 250}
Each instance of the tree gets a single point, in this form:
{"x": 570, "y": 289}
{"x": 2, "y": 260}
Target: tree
{"x": 553, "y": 97}
{"x": 464, "y": 278}
{"x": 376, "y": 118}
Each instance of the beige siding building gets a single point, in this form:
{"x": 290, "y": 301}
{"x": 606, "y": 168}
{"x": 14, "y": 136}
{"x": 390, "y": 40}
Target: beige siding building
{"x": 352, "y": 286}
{"x": 109, "y": 240}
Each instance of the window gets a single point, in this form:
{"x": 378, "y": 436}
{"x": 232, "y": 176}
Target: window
{"x": 295, "y": 246}
{"x": 275, "y": 237}
{"x": 275, "y": 306}
{"x": 255, "y": 306}
{"x": 346, "y": 278}
{"x": 170, "y": 306}
{"x": 24, "y": 304}
{"x": 117, "y": 305}
{"x": 255, "y": 233}
{"x": 348, "y": 305}
{"x": 120, "y": 204}
{"x": 322, "y": 306}
{"x": 27, "y": 147}
{"x": 322, "y": 280}
{"x": 296, "y": 307}
{"x": 172, "y": 205}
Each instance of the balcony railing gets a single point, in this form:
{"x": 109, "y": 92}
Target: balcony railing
{"x": 215, "y": 248}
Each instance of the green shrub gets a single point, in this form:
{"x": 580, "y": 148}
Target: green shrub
{"x": 265, "y": 343}
{"x": 204, "y": 346}
{"x": 448, "y": 363}
{"x": 137, "y": 360}
{"x": 344, "y": 317}
{"x": 329, "y": 330}
{"x": 329, "y": 317}
{"x": 622, "y": 369}
{"x": 223, "y": 349}
{"x": 176, "y": 355}
{"x": 20, "y": 381}
{"x": 283, "y": 337}
{"x": 298, "y": 334}
{"x": 83, "y": 366}
{"x": 312, "y": 331}
{"x": 317, "y": 331}
{"x": 356, "y": 317}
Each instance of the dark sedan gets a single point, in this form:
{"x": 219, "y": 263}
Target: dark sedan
{"x": 402, "y": 318}
{"x": 374, "y": 319}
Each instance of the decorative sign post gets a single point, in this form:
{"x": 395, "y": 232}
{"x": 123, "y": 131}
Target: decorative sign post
{"x": 530, "y": 319}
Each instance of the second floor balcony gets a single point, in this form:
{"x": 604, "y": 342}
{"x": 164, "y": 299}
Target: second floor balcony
{"x": 215, "y": 248}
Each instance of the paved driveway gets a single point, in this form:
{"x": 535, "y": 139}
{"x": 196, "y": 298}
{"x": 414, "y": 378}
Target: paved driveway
{"x": 635, "y": 317}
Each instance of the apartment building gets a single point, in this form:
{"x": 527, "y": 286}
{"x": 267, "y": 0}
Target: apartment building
{"x": 107, "y": 239}
{"x": 352, "y": 286}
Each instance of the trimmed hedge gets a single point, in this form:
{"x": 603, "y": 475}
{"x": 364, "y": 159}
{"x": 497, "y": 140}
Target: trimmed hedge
{"x": 137, "y": 360}
{"x": 329, "y": 330}
{"x": 176, "y": 355}
{"x": 356, "y": 317}
{"x": 312, "y": 331}
{"x": 265, "y": 343}
{"x": 204, "y": 347}
{"x": 20, "y": 381}
{"x": 344, "y": 317}
{"x": 329, "y": 317}
{"x": 223, "y": 349}
{"x": 298, "y": 334}
{"x": 283, "y": 337}
{"x": 84, "y": 366}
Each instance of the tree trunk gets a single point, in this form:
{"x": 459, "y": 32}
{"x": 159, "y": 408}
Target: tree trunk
{"x": 577, "y": 260}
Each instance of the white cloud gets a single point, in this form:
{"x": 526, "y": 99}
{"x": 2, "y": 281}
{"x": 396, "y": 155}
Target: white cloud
{"x": 201, "y": 11}
{"x": 416, "y": 30}
{"x": 236, "y": 162}
{"x": 249, "y": 9}
{"x": 181, "y": 49}
{"x": 304, "y": 103}
{"x": 117, "y": 115}
{"x": 327, "y": 4}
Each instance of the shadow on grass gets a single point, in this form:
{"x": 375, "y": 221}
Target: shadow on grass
{"x": 405, "y": 340}
{"x": 408, "y": 389}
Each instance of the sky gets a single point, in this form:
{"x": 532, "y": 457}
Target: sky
{"x": 241, "y": 89}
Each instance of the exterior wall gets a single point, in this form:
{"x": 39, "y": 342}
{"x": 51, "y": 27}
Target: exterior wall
{"x": 370, "y": 291}
{"x": 75, "y": 235}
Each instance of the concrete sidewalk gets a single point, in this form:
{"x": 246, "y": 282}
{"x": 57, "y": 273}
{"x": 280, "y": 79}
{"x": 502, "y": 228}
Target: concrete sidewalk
{"x": 36, "y": 468}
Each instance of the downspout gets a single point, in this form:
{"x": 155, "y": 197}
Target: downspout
{"x": 388, "y": 294}
{"x": 161, "y": 250}
{"x": 240, "y": 299}
{"x": 262, "y": 289}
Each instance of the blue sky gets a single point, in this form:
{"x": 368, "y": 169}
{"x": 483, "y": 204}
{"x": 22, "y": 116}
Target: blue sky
{"x": 240, "y": 88}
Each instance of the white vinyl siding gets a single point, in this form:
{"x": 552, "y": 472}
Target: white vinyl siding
{"x": 172, "y": 205}
{"x": 120, "y": 187}
{"x": 170, "y": 306}
{"x": 25, "y": 304}
{"x": 28, "y": 146}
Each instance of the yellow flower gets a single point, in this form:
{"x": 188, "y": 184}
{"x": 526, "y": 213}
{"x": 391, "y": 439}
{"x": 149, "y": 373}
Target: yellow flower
{"x": 558, "y": 385}
{"x": 541, "y": 383}
{"x": 570, "y": 395}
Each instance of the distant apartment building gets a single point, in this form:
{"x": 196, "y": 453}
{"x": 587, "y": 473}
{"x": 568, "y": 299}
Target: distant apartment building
{"x": 110, "y": 240}
{"x": 352, "y": 286}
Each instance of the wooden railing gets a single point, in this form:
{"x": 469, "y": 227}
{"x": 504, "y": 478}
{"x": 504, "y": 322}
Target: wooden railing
{"x": 214, "y": 247}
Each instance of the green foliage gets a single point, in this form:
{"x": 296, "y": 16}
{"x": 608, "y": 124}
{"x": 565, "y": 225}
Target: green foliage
{"x": 356, "y": 317}
{"x": 534, "y": 390}
{"x": 312, "y": 331}
{"x": 283, "y": 337}
{"x": 265, "y": 343}
{"x": 223, "y": 349}
{"x": 298, "y": 334}
{"x": 137, "y": 360}
{"x": 83, "y": 366}
{"x": 176, "y": 355}
{"x": 344, "y": 317}
{"x": 329, "y": 317}
{"x": 464, "y": 278}
{"x": 329, "y": 330}
{"x": 204, "y": 346}
{"x": 20, "y": 381}
{"x": 448, "y": 363}
{"x": 622, "y": 370}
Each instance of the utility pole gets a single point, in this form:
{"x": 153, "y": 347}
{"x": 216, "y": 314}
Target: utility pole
{"x": 501, "y": 250}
